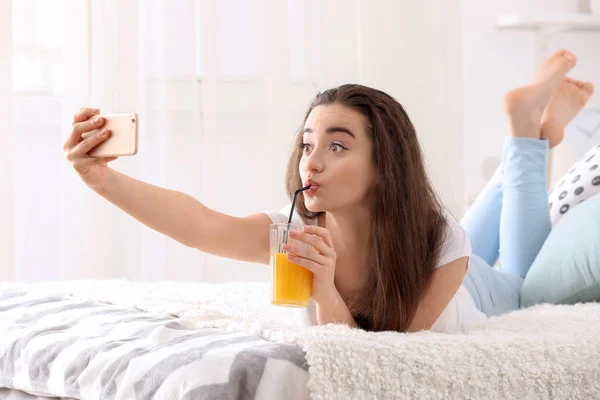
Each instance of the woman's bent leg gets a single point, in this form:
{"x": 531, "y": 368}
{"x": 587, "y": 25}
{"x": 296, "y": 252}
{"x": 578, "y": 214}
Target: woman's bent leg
{"x": 482, "y": 221}
{"x": 512, "y": 210}
{"x": 525, "y": 217}
{"x": 494, "y": 292}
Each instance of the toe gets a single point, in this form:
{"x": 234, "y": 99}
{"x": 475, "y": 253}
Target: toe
{"x": 554, "y": 68}
{"x": 588, "y": 87}
{"x": 579, "y": 84}
{"x": 558, "y": 55}
{"x": 563, "y": 61}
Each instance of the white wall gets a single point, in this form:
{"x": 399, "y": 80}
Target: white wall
{"x": 413, "y": 51}
{"x": 496, "y": 61}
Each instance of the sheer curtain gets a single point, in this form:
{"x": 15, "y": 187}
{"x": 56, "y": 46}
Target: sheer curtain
{"x": 220, "y": 87}
{"x": 6, "y": 148}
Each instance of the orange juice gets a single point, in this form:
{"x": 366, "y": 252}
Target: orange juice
{"x": 291, "y": 284}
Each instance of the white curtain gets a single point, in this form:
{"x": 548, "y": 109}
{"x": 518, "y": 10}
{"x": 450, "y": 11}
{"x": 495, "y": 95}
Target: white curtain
{"x": 220, "y": 87}
{"x": 6, "y": 147}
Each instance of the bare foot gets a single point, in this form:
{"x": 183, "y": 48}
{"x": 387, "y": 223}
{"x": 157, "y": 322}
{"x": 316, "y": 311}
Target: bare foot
{"x": 567, "y": 100}
{"x": 525, "y": 105}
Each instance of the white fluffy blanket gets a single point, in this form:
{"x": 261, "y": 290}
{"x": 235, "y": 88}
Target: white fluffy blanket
{"x": 543, "y": 352}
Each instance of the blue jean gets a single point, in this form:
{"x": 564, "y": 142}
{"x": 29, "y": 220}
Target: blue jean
{"x": 510, "y": 219}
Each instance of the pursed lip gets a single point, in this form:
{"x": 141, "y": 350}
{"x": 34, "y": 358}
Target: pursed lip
{"x": 313, "y": 186}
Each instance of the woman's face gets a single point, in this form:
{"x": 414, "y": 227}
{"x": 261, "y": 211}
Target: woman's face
{"x": 337, "y": 159}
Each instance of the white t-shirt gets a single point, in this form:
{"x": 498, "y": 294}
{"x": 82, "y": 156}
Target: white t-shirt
{"x": 460, "y": 311}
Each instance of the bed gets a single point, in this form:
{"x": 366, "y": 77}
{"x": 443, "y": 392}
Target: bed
{"x": 167, "y": 340}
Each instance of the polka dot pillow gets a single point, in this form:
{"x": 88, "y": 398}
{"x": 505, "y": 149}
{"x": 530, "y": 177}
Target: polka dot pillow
{"x": 580, "y": 183}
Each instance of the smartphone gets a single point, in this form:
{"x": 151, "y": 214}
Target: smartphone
{"x": 123, "y": 140}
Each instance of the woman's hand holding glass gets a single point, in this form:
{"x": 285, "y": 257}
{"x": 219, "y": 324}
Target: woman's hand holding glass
{"x": 319, "y": 258}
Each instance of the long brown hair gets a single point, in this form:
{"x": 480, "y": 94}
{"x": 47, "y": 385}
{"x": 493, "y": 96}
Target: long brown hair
{"x": 408, "y": 219}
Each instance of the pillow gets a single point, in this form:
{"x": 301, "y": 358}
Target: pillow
{"x": 567, "y": 268}
{"x": 580, "y": 183}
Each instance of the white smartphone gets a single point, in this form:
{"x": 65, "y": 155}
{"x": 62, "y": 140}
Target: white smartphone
{"x": 123, "y": 140}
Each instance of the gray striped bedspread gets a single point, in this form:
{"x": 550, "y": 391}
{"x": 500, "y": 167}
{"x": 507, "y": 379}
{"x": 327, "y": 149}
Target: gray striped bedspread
{"x": 55, "y": 346}
{"x": 13, "y": 394}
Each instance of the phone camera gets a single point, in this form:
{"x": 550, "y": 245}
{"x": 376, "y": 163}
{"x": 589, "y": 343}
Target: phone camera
{"x": 133, "y": 120}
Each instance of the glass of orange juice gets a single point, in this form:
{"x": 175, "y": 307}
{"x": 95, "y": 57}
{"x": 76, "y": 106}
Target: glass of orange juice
{"x": 291, "y": 284}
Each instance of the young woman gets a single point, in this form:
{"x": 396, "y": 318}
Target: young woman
{"x": 385, "y": 254}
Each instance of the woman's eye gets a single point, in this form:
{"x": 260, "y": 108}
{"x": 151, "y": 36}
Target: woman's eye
{"x": 337, "y": 146}
{"x": 305, "y": 147}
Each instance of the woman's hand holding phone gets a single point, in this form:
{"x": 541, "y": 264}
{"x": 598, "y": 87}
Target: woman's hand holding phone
{"x": 92, "y": 170}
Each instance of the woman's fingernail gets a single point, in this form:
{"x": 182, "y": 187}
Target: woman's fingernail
{"x": 105, "y": 133}
{"x": 98, "y": 120}
{"x": 293, "y": 233}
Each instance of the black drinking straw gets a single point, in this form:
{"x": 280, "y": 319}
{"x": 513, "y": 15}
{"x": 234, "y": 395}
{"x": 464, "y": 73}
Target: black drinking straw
{"x": 292, "y": 210}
